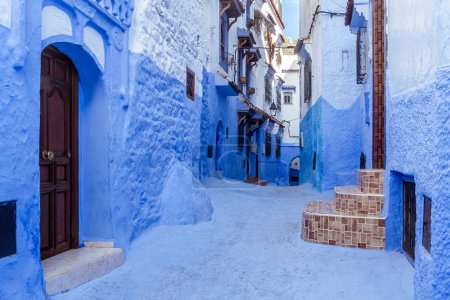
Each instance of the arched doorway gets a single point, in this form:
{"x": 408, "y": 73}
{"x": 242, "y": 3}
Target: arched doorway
{"x": 88, "y": 158}
{"x": 219, "y": 147}
{"x": 58, "y": 153}
{"x": 294, "y": 172}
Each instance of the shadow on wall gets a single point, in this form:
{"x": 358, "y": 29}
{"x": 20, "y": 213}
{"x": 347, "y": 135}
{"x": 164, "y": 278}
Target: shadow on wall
{"x": 394, "y": 210}
{"x": 161, "y": 129}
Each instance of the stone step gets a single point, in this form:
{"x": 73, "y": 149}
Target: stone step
{"x": 251, "y": 179}
{"x": 324, "y": 225}
{"x": 258, "y": 181}
{"x": 263, "y": 182}
{"x": 371, "y": 181}
{"x": 350, "y": 200}
{"x": 72, "y": 268}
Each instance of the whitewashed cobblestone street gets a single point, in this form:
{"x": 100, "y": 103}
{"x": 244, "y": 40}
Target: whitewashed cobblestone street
{"x": 250, "y": 250}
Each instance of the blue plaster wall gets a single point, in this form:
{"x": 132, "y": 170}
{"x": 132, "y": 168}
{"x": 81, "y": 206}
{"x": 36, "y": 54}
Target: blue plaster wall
{"x": 311, "y": 127}
{"x": 224, "y": 109}
{"x": 127, "y": 142}
{"x": 161, "y": 128}
{"x": 335, "y": 135}
{"x": 19, "y": 132}
{"x": 269, "y": 166}
{"x": 412, "y": 149}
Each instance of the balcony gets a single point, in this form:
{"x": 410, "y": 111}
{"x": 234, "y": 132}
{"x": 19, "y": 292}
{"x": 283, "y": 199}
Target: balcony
{"x": 120, "y": 11}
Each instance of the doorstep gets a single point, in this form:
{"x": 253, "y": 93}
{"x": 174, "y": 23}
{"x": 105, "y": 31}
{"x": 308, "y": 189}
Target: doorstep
{"x": 72, "y": 268}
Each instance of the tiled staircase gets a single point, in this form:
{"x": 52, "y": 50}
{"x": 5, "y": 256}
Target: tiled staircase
{"x": 353, "y": 219}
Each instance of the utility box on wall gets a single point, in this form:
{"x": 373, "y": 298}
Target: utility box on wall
{"x": 7, "y": 228}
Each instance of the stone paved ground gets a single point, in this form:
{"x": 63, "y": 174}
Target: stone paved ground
{"x": 250, "y": 250}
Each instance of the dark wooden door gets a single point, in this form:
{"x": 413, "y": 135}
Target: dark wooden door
{"x": 409, "y": 218}
{"x": 58, "y": 155}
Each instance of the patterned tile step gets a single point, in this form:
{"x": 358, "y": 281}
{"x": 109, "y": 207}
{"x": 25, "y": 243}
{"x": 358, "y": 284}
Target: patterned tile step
{"x": 371, "y": 181}
{"x": 351, "y": 201}
{"x": 321, "y": 224}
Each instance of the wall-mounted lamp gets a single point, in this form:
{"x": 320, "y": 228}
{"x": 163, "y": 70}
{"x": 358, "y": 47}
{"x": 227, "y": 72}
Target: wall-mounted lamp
{"x": 273, "y": 109}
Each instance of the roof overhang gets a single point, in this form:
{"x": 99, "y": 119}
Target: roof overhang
{"x": 223, "y": 86}
{"x": 246, "y": 39}
{"x": 253, "y": 55}
{"x": 233, "y": 8}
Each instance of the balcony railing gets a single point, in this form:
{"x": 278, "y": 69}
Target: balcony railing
{"x": 120, "y": 10}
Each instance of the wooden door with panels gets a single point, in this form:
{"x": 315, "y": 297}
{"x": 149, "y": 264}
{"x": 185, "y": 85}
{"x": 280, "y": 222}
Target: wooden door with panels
{"x": 58, "y": 154}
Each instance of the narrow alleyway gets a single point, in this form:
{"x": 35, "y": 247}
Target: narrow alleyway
{"x": 250, "y": 250}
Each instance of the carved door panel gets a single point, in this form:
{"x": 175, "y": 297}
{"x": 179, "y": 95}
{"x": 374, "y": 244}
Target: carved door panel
{"x": 58, "y": 221}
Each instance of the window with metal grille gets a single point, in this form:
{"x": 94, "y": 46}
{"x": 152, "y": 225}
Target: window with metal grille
{"x": 426, "y": 238}
{"x": 222, "y": 40}
{"x": 278, "y": 149}
{"x": 268, "y": 90}
{"x": 223, "y": 46}
{"x": 268, "y": 144}
{"x": 190, "y": 84}
{"x": 361, "y": 56}
{"x": 278, "y": 99}
{"x": 308, "y": 80}
{"x": 288, "y": 98}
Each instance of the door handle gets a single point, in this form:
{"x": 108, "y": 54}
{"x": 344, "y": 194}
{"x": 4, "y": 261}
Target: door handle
{"x": 48, "y": 155}
{"x": 69, "y": 154}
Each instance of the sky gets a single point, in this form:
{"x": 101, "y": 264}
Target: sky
{"x": 291, "y": 17}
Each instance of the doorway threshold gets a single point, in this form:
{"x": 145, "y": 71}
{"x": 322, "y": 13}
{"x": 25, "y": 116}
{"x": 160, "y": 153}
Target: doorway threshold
{"x": 74, "y": 267}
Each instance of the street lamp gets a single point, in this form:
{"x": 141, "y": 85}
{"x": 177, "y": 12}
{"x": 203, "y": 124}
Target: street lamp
{"x": 273, "y": 109}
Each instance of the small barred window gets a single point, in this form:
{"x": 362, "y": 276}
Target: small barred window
{"x": 190, "y": 84}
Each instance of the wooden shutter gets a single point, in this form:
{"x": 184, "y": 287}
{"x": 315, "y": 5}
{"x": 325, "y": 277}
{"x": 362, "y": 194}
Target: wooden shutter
{"x": 268, "y": 144}
{"x": 426, "y": 238}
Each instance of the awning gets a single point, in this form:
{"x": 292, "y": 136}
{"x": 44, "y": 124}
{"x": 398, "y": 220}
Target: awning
{"x": 246, "y": 39}
{"x": 253, "y": 55}
{"x": 223, "y": 86}
{"x": 233, "y": 8}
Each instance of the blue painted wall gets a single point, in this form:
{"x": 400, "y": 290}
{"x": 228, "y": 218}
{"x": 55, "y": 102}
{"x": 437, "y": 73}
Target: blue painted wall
{"x": 335, "y": 135}
{"x": 311, "y": 127}
{"x": 418, "y": 144}
{"x": 221, "y": 108}
{"x": 19, "y": 132}
{"x": 130, "y": 144}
